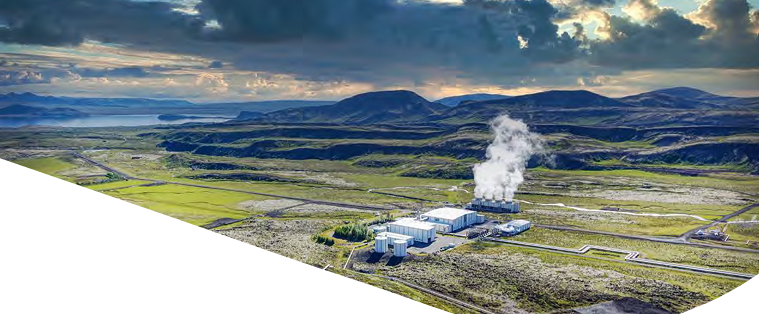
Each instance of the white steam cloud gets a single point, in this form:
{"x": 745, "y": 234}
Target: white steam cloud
{"x": 499, "y": 177}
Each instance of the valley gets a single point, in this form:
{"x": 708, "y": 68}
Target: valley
{"x": 285, "y": 181}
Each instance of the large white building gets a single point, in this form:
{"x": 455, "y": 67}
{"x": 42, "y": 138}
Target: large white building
{"x": 421, "y": 231}
{"x": 449, "y": 219}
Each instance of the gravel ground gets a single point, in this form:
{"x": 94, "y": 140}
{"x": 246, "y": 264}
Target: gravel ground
{"x": 673, "y": 195}
{"x": 321, "y": 177}
{"x": 318, "y": 208}
{"x": 500, "y": 281}
{"x": 584, "y": 216}
{"x": 290, "y": 238}
{"x": 13, "y": 154}
{"x": 268, "y": 205}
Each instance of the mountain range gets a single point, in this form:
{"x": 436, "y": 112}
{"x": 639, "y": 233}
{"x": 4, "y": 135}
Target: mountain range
{"x": 667, "y": 107}
{"x": 680, "y": 106}
{"x": 118, "y": 106}
{"x": 458, "y": 100}
{"x": 23, "y": 111}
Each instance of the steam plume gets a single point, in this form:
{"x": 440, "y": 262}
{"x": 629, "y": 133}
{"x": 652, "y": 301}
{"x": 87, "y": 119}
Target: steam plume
{"x": 499, "y": 177}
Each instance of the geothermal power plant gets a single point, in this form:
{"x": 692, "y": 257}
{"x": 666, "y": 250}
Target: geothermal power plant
{"x": 497, "y": 180}
{"x": 500, "y": 206}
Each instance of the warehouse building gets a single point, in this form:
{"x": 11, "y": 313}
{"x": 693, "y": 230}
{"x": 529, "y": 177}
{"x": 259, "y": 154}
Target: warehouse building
{"x": 449, "y": 219}
{"x": 420, "y": 231}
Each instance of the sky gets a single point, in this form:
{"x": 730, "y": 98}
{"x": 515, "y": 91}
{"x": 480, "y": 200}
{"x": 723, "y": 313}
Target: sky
{"x": 249, "y": 50}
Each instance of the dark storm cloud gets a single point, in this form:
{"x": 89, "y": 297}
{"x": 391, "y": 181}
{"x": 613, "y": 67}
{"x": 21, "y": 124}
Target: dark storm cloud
{"x": 599, "y": 3}
{"x": 376, "y": 40}
{"x": 540, "y": 33}
{"x": 277, "y": 20}
{"x": 69, "y": 22}
{"x": 669, "y": 40}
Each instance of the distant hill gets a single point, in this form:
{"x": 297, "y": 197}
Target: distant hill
{"x": 108, "y": 106}
{"x": 457, "y": 100}
{"x": 693, "y": 93}
{"x": 249, "y": 115}
{"x": 578, "y": 107}
{"x": 270, "y": 105}
{"x": 34, "y": 99}
{"x": 176, "y": 117}
{"x": 375, "y": 107}
{"x": 22, "y": 111}
{"x": 525, "y": 106}
{"x": 678, "y": 98}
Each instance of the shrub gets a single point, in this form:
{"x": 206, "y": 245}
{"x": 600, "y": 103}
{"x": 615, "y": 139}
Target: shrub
{"x": 353, "y": 232}
{"x": 324, "y": 240}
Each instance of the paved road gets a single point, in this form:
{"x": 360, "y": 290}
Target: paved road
{"x": 437, "y": 294}
{"x": 307, "y": 200}
{"x": 369, "y": 207}
{"x": 686, "y": 236}
{"x": 630, "y": 256}
{"x": 104, "y": 167}
{"x": 647, "y": 238}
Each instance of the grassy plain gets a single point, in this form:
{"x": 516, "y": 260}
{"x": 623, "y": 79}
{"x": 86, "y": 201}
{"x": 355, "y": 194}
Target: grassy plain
{"x": 190, "y": 204}
{"x": 500, "y": 276}
{"x": 675, "y": 253}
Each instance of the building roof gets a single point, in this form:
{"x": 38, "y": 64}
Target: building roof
{"x": 518, "y": 222}
{"x": 448, "y": 213}
{"x": 394, "y": 236}
{"x": 413, "y": 223}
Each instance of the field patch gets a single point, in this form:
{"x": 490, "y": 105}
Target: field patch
{"x": 197, "y": 206}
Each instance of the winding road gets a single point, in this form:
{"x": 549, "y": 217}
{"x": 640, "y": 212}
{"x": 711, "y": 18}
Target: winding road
{"x": 308, "y": 200}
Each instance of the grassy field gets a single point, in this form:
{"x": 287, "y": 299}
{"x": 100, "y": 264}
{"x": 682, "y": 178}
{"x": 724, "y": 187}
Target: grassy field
{"x": 116, "y": 185}
{"x": 405, "y": 291}
{"x": 51, "y": 165}
{"x": 194, "y": 205}
{"x": 732, "y": 182}
{"x": 499, "y": 276}
{"x": 494, "y": 276}
{"x": 675, "y": 253}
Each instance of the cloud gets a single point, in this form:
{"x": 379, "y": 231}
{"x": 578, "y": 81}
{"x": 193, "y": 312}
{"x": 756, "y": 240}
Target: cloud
{"x": 21, "y": 77}
{"x": 131, "y": 71}
{"x": 281, "y": 20}
{"x": 351, "y": 45}
{"x": 719, "y": 35}
{"x": 599, "y": 3}
{"x": 62, "y": 23}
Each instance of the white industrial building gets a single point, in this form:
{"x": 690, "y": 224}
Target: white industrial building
{"x": 449, "y": 219}
{"x": 420, "y": 231}
{"x": 392, "y": 237}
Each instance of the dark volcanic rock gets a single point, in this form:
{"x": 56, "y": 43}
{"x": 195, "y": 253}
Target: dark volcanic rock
{"x": 621, "y": 306}
{"x": 242, "y": 177}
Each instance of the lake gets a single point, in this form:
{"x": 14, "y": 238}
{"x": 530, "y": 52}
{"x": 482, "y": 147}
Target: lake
{"x": 97, "y": 121}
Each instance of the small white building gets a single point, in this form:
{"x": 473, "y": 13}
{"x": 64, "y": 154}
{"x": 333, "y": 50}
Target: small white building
{"x": 399, "y": 248}
{"x": 513, "y": 227}
{"x": 380, "y": 244}
{"x": 390, "y": 238}
{"x": 421, "y": 231}
{"x": 454, "y": 218}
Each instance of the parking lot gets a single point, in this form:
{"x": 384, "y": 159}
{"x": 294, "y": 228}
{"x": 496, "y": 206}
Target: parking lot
{"x": 489, "y": 224}
{"x": 440, "y": 242}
